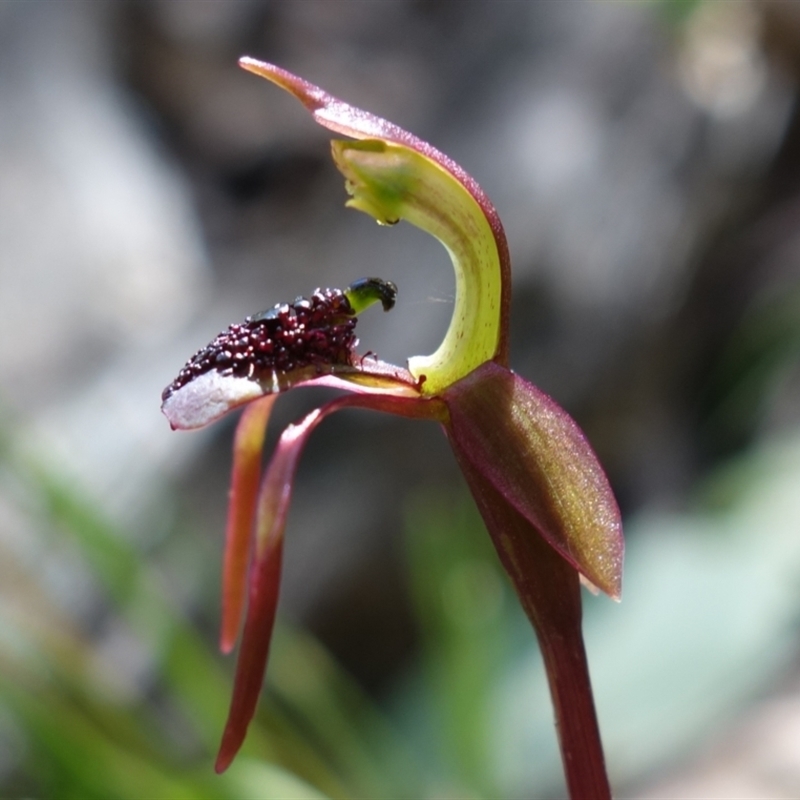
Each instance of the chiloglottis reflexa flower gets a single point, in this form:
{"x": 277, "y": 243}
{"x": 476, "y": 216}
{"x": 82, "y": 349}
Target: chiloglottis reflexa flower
{"x": 543, "y": 495}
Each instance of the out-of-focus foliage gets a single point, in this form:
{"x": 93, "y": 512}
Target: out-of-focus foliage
{"x": 128, "y": 702}
{"x": 756, "y": 368}
{"x": 465, "y": 610}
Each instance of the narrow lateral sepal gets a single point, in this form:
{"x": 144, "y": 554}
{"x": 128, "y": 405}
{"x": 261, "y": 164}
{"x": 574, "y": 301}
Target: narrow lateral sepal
{"x": 245, "y": 477}
{"x": 272, "y": 510}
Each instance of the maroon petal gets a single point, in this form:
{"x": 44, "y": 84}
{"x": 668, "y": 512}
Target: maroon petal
{"x": 534, "y": 454}
{"x": 549, "y": 591}
{"x": 273, "y": 508}
{"x": 263, "y": 601}
{"x": 247, "y": 449}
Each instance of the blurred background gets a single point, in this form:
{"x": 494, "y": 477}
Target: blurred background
{"x": 645, "y": 159}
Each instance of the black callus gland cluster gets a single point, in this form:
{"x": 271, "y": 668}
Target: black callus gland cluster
{"x": 319, "y": 330}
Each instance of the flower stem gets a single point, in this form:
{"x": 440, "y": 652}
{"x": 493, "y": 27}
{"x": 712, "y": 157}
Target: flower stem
{"x": 553, "y": 605}
{"x": 549, "y": 590}
{"x": 576, "y": 719}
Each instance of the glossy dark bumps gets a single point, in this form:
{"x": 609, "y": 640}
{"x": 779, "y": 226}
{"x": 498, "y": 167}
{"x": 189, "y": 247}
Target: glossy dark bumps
{"x": 319, "y": 330}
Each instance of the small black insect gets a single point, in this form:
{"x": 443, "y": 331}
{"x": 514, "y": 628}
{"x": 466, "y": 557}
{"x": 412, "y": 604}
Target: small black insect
{"x": 318, "y": 331}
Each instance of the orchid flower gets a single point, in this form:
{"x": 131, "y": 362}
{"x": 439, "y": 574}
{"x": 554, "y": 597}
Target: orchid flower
{"x": 539, "y": 487}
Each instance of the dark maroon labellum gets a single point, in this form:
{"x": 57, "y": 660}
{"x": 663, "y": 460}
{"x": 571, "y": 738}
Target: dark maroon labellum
{"x": 317, "y": 331}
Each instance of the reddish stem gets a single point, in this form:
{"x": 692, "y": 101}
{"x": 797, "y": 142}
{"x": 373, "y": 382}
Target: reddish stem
{"x": 576, "y": 720}
{"x": 549, "y": 590}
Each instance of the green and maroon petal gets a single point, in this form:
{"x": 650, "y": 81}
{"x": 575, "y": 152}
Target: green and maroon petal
{"x": 391, "y": 175}
{"x": 540, "y": 462}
